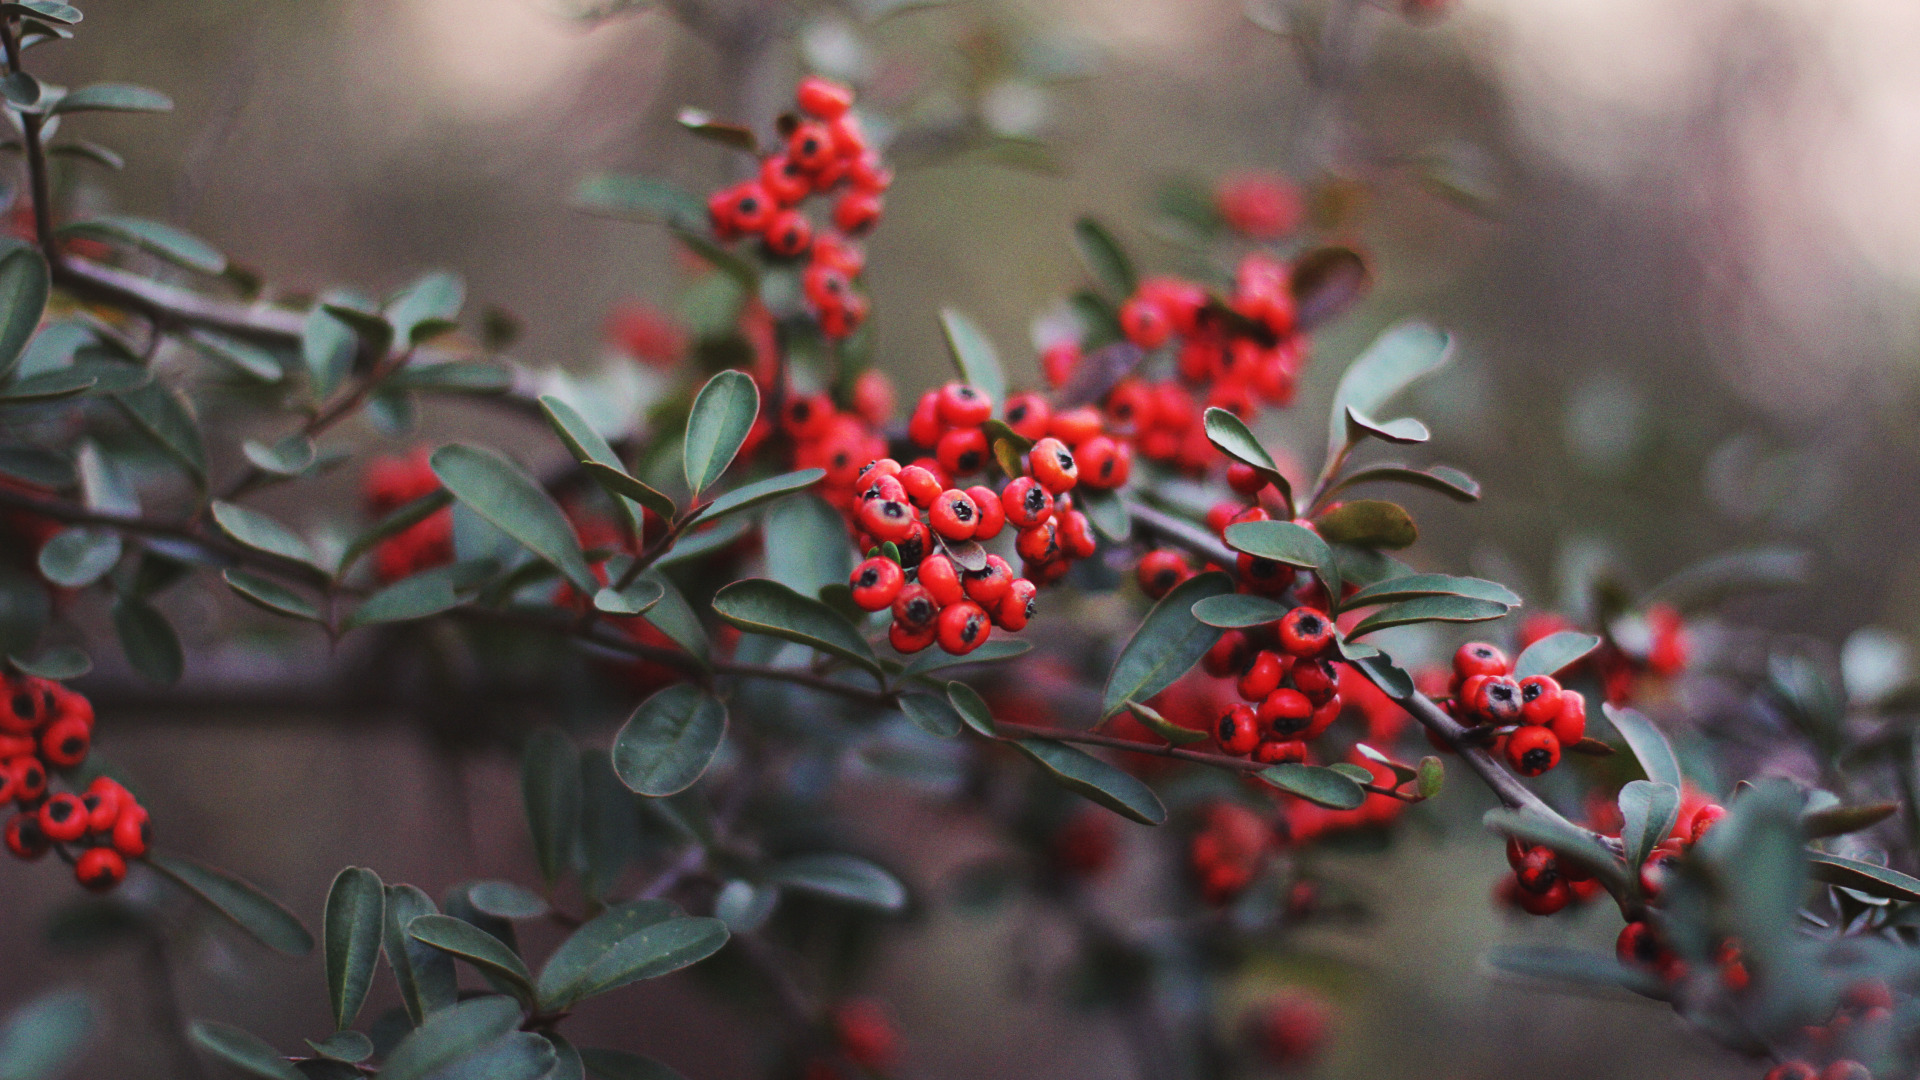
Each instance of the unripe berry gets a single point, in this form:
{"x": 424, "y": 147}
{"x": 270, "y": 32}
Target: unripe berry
{"x": 1053, "y": 465}
{"x": 1238, "y": 731}
{"x": 1532, "y": 751}
{"x": 964, "y": 627}
{"x": 941, "y": 579}
{"x": 1480, "y": 658}
{"x": 63, "y": 818}
{"x": 993, "y": 516}
{"x": 1026, "y": 503}
{"x": 876, "y": 583}
{"x": 100, "y": 869}
{"x": 1305, "y": 632}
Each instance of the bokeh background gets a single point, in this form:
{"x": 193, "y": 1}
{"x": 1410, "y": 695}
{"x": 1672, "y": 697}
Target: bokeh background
{"x": 1678, "y": 244}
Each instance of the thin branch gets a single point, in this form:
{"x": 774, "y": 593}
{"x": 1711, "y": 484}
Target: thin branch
{"x": 1181, "y": 533}
{"x": 219, "y": 547}
{"x": 30, "y": 124}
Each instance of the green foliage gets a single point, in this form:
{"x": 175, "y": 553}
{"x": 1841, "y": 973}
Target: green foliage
{"x": 1165, "y": 646}
{"x": 550, "y": 788}
{"x": 759, "y": 606}
{"x": 465, "y": 941}
{"x": 242, "y": 1050}
{"x": 1104, "y": 258}
{"x": 669, "y": 741}
{"x": 843, "y": 877}
{"x": 974, "y": 355}
{"x": 265, "y": 919}
{"x": 513, "y": 502}
{"x": 39, "y": 1039}
{"x": 356, "y": 915}
{"x": 1554, "y": 653}
{"x": 1325, "y": 786}
{"x": 723, "y": 412}
{"x": 1079, "y": 771}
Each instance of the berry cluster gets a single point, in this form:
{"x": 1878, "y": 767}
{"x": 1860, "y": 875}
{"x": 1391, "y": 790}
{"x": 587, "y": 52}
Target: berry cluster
{"x": 862, "y": 1035}
{"x": 1292, "y": 691}
{"x": 1542, "y": 883}
{"x": 393, "y": 482}
{"x": 1229, "y": 850}
{"x": 47, "y": 729}
{"x": 1865, "y": 1008}
{"x": 1532, "y": 719}
{"x": 825, "y": 152}
{"x": 1238, "y": 353}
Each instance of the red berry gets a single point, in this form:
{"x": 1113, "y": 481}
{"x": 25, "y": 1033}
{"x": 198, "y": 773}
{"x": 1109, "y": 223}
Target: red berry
{"x": 1637, "y": 946}
{"x": 1791, "y": 1070}
{"x": 961, "y": 405}
{"x": 1264, "y": 575}
{"x": 826, "y": 287}
{"x": 1324, "y": 714}
{"x": 993, "y": 516}
{"x": 1028, "y": 415}
{"x": 1159, "y": 571}
{"x": 1498, "y": 699}
{"x": 823, "y": 98}
{"x": 962, "y": 451}
{"x": 1280, "y": 752}
{"x": 807, "y": 416}
{"x": 133, "y": 833}
{"x": 1480, "y": 658}
{"x": 954, "y": 516}
{"x": 1538, "y": 870}
{"x": 1238, "y": 731}
{"x": 1554, "y": 898}
{"x": 1227, "y": 656}
{"x": 1026, "y": 503}
{"x": 887, "y": 519}
{"x": 1305, "y": 631}
{"x": 964, "y": 627}
{"x": 103, "y": 807}
{"x": 1315, "y": 678}
{"x": 748, "y": 207}
{"x": 877, "y": 583}
{"x": 1532, "y": 751}
{"x": 1569, "y": 725}
{"x": 24, "y": 838}
{"x": 942, "y": 580}
{"x": 869, "y": 174}
{"x": 1104, "y": 463}
{"x": 1539, "y": 699}
{"x": 788, "y": 234}
{"x": 1704, "y": 819}
{"x": 1285, "y": 713}
{"x": 921, "y": 485}
{"x": 917, "y": 546}
{"x": 1145, "y": 323}
{"x": 989, "y": 586}
{"x": 784, "y": 180}
{"x": 1039, "y": 543}
{"x": 1262, "y": 677}
{"x": 1076, "y": 535}
{"x": 908, "y": 639}
{"x": 856, "y": 211}
{"x": 1059, "y": 361}
{"x": 924, "y": 426}
{"x": 810, "y": 146}
{"x": 873, "y": 397}
{"x": 882, "y": 486}
{"x": 1016, "y": 608}
{"x": 1053, "y": 465}
{"x": 100, "y": 869}
{"x": 915, "y": 608}
{"x": 63, "y": 818}
{"x": 1075, "y": 426}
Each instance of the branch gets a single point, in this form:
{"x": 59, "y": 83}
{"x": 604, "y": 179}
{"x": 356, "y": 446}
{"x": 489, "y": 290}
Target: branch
{"x": 175, "y": 308}
{"x": 219, "y": 547}
{"x": 1182, "y": 533}
{"x": 30, "y": 124}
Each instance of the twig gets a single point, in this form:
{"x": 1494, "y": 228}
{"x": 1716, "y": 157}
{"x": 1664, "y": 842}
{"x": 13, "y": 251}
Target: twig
{"x": 213, "y": 545}
{"x": 30, "y": 123}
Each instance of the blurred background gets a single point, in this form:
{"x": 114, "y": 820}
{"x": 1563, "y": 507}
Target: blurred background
{"x": 1677, "y": 242}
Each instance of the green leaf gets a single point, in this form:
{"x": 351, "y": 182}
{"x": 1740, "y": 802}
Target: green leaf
{"x": 722, "y": 414}
{"x": 994, "y": 651}
{"x": 1368, "y": 523}
{"x": 1288, "y": 543}
{"x": 1166, "y": 645}
{"x": 242, "y": 1050}
{"x": 435, "y": 298}
{"x": 1232, "y": 437}
{"x": 972, "y": 709}
{"x": 151, "y": 646}
{"x": 1111, "y": 787}
{"x": 327, "y": 348}
{"x": 1649, "y": 745}
{"x": 356, "y": 913}
{"x": 48, "y": 386}
{"x": 587, "y": 445}
{"x": 24, "y": 286}
{"x": 1840, "y": 820}
{"x": 513, "y": 502}
{"x": 163, "y": 241}
{"x": 669, "y": 740}
{"x": 371, "y": 329}
{"x": 36, "y": 466}
{"x": 1234, "y": 611}
{"x": 269, "y": 595}
{"x": 450, "y": 376}
{"x": 759, "y": 606}
{"x": 40, "y": 1039}
{"x": 477, "y": 947}
{"x": 116, "y": 97}
{"x": 808, "y": 548}
{"x": 1554, "y": 653}
{"x": 160, "y": 412}
{"x": 421, "y": 596}
{"x": 399, "y": 520}
{"x": 78, "y": 556}
{"x": 427, "y": 980}
{"x": 1401, "y": 432}
{"x": 505, "y": 900}
{"x": 1649, "y": 811}
{"x": 1103, "y": 257}
{"x": 674, "y": 617}
{"x": 51, "y": 10}
{"x": 760, "y": 491}
{"x": 88, "y": 150}
{"x": 347, "y": 1046}
{"x": 253, "y": 529}
{"x": 291, "y": 456}
{"x": 1326, "y": 281}
{"x": 59, "y": 663}
{"x": 1106, "y": 511}
{"x": 844, "y": 877}
{"x": 1166, "y": 729}
{"x": 701, "y": 122}
{"x": 550, "y": 788}
{"x": 1863, "y": 877}
{"x": 1409, "y": 586}
{"x": 1395, "y": 359}
{"x": 24, "y": 91}
{"x": 451, "y": 1035}
{"x": 1711, "y": 580}
{"x": 974, "y": 355}
{"x": 1452, "y": 483}
{"x": 1391, "y": 680}
{"x": 260, "y": 915}
{"x": 1429, "y": 609}
{"x": 641, "y": 197}
{"x": 1564, "y": 840}
{"x": 610, "y": 835}
{"x": 1316, "y": 784}
{"x": 1558, "y": 964}
{"x": 620, "y": 1065}
{"x": 641, "y": 940}
{"x": 932, "y": 713}
{"x": 637, "y": 599}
